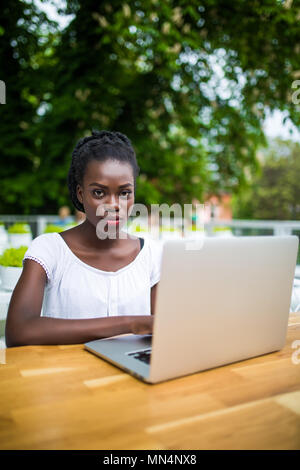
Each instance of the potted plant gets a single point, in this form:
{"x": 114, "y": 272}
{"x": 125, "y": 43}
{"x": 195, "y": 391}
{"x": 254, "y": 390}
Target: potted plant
{"x": 3, "y": 237}
{"x": 11, "y": 266}
{"x": 220, "y": 231}
{"x": 19, "y": 235}
{"x": 52, "y": 228}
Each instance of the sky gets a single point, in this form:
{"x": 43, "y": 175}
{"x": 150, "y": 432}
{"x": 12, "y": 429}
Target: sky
{"x": 273, "y": 125}
{"x": 275, "y": 128}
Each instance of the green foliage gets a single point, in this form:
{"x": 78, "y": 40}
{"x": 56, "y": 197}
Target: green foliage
{"x": 169, "y": 229}
{"x": 275, "y": 192}
{"x": 188, "y": 82}
{"x": 19, "y": 228}
{"x": 221, "y": 229}
{"x": 22, "y": 31}
{"x": 138, "y": 228}
{"x": 13, "y": 256}
{"x": 66, "y": 227}
{"x": 51, "y": 228}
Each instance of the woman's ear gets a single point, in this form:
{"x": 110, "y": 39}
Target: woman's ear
{"x": 79, "y": 193}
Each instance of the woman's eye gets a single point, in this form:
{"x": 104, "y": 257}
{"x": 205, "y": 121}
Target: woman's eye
{"x": 97, "y": 191}
{"x": 125, "y": 193}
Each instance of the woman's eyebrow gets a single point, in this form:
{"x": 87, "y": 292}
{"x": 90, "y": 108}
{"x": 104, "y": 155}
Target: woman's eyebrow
{"x": 103, "y": 185}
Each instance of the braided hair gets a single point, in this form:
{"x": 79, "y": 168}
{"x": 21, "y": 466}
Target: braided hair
{"x": 101, "y": 146}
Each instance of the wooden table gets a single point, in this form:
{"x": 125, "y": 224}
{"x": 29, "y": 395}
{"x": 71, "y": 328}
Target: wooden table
{"x": 63, "y": 397}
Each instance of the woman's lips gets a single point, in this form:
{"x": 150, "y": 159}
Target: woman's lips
{"x": 113, "y": 221}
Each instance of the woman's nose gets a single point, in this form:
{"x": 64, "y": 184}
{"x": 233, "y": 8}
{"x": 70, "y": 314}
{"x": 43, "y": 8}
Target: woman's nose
{"x": 112, "y": 203}
{"x": 113, "y": 200}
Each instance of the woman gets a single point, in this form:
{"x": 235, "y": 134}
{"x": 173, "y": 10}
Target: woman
{"x": 89, "y": 281}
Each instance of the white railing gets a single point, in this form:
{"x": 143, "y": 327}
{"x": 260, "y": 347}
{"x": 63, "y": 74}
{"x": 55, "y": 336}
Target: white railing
{"x": 38, "y": 223}
{"x": 238, "y": 227}
{"x": 278, "y": 227}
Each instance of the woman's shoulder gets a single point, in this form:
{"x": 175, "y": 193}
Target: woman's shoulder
{"x": 45, "y": 249}
{"x": 155, "y": 248}
{"x": 46, "y": 246}
{"x": 45, "y": 239}
{"x": 154, "y": 244}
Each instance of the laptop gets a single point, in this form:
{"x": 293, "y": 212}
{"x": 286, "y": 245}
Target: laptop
{"x": 227, "y": 301}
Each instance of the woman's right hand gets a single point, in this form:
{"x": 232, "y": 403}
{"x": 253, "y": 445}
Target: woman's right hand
{"x": 142, "y": 325}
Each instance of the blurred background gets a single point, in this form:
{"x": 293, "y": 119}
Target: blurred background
{"x": 208, "y": 91}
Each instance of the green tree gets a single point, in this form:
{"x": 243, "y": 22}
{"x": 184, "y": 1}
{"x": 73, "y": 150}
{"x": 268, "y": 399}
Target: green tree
{"x": 189, "y": 82}
{"x": 22, "y": 38}
{"x": 275, "y": 192}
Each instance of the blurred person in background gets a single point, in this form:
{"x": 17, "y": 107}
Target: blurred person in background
{"x": 65, "y": 217}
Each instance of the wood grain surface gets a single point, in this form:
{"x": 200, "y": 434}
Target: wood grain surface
{"x": 63, "y": 397}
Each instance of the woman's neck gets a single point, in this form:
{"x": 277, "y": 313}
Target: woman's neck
{"x": 88, "y": 234}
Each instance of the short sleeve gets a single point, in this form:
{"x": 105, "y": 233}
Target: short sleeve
{"x": 156, "y": 259}
{"x": 43, "y": 250}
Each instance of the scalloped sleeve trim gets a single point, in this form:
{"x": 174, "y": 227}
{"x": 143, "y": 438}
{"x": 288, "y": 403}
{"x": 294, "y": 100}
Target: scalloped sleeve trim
{"x": 41, "y": 263}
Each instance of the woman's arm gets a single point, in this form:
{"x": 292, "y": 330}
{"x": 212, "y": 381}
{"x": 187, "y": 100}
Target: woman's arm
{"x": 25, "y": 326}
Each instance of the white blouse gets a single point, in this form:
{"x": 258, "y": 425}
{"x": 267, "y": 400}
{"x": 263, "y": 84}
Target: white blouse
{"x": 76, "y": 290}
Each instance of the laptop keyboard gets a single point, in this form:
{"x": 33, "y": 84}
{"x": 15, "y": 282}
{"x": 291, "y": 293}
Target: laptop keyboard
{"x": 143, "y": 356}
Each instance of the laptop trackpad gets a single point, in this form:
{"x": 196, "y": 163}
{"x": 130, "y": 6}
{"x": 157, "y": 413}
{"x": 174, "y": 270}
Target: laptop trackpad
{"x": 117, "y": 350}
{"x": 121, "y": 344}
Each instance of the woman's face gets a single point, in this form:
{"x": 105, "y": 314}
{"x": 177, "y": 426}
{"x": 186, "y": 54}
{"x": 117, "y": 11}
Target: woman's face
{"x": 107, "y": 192}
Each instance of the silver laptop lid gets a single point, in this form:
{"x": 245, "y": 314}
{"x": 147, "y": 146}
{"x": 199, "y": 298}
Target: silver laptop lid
{"x": 224, "y": 302}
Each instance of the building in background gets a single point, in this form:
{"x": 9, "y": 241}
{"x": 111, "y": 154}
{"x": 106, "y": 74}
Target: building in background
{"x": 218, "y": 207}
